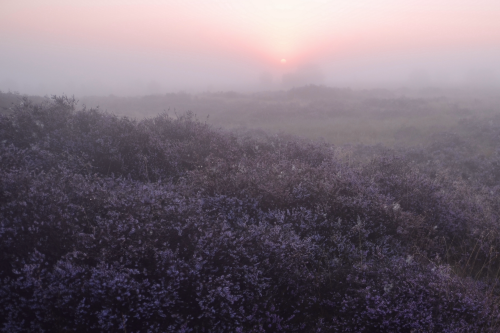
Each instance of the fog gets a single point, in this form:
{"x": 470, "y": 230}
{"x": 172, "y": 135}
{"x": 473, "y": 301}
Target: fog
{"x": 130, "y": 48}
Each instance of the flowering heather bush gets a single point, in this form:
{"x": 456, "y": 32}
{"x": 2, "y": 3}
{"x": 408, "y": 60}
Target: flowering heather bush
{"x": 167, "y": 225}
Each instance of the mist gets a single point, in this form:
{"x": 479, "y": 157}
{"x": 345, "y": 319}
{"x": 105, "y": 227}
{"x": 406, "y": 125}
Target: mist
{"x": 250, "y": 165}
{"x": 139, "y": 48}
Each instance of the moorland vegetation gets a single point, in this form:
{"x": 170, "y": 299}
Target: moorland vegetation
{"x": 168, "y": 224}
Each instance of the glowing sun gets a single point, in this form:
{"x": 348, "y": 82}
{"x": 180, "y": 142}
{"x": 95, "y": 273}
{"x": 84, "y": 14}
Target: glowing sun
{"x": 283, "y": 61}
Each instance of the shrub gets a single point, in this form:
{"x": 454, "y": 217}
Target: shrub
{"x": 167, "y": 225}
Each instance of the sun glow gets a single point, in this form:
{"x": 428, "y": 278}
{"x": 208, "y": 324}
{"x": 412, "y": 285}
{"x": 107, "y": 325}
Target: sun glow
{"x": 226, "y": 36}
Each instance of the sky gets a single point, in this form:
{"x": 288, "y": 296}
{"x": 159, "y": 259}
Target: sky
{"x": 132, "y": 47}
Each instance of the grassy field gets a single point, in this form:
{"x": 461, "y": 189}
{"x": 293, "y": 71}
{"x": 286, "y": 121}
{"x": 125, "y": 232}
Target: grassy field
{"x": 338, "y": 116}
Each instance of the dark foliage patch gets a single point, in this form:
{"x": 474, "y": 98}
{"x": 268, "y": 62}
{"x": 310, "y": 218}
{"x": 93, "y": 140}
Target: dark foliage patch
{"x": 167, "y": 225}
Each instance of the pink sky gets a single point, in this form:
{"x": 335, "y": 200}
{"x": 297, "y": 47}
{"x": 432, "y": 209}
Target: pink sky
{"x": 222, "y": 43}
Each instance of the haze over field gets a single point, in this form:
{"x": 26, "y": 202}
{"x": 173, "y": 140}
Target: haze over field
{"x": 147, "y": 47}
{"x": 250, "y": 166}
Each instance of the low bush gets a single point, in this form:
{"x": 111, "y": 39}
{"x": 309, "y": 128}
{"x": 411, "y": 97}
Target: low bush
{"x": 168, "y": 225}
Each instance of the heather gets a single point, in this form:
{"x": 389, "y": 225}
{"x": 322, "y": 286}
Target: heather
{"x": 168, "y": 224}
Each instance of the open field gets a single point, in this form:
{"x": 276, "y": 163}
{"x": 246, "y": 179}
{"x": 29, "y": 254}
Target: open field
{"x": 339, "y": 116}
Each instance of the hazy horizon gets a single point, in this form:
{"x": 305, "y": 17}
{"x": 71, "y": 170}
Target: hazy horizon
{"x": 146, "y": 47}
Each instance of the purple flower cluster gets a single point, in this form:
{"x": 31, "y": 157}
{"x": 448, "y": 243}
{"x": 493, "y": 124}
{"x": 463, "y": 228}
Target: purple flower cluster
{"x": 167, "y": 225}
